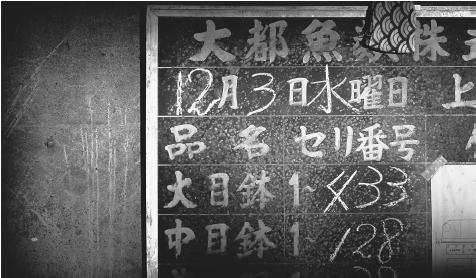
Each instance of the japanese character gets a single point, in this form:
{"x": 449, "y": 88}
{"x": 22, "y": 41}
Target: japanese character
{"x": 428, "y": 37}
{"x": 336, "y": 138}
{"x": 401, "y": 92}
{"x": 472, "y": 140}
{"x": 318, "y": 136}
{"x": 329, "y": 93}
{"x": 402, "y": 132}
{"x": 209, "y": 45}
{"x": 301, "y": 91}
{"x": 175, "y": 237}
{"x": 472, "y": 44}
{"x": 362, "y": 52}
{"x": 458, "y": 92}
{"x": 223, "y": 185}
{"x": 216, "y": 237}
{"x": 372, "y": 92}
{"x": 177, "y": 188}
{"x": 261, "y": 194}
{"x": 259, "y": 47}
{"x": 322, "y": 42}
{"x": 253, "y": 148}
{"x": 182, "y": 133}
{"x": 371, "y": 150}
{"x": 254, "y": 241}
{"x": 355, "y": 90}
{"x": 350, "y": 136}
{"x": 229, "y": 82}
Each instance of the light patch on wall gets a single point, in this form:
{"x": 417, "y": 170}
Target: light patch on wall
{"x": 453, "y": 199}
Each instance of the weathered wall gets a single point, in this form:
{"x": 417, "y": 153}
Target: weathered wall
{"x": 71, "y": 140}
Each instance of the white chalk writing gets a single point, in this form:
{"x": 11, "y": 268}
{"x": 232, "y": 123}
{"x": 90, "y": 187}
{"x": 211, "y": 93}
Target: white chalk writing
{"x": 175, "y": 236}
{"x": 322, "y": 42}
{"x": 209, "y": 45}
{"x": 254, "y": 241}
{"x": 250, "y": 144}
{"x": 260, "y": 48}
{"x": 182, "y": 133}
{"x": 177, "y": 188}
{"x": 459, "y": 90}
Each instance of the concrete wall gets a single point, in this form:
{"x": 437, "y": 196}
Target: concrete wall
{"x": 71, "y": 140}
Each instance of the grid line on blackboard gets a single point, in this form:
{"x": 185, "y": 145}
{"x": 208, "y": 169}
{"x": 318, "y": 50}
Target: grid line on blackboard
{"x": 295, "y": 214}
{"x": 323, "y": 115}
{"x": 427, "y": 184}
{"x": 315, "y": 66}
{"x": 284, "y": 174}
{"x": 301, "y": 164}
{"x": 426, "y": 158}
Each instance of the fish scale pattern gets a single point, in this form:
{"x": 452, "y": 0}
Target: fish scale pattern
{"x": 391, "y": 27}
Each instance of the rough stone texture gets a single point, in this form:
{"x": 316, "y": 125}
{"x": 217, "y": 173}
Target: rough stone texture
{"x": 71, "y": 140}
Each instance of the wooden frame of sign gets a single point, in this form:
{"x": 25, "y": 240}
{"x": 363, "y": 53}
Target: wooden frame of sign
{"x": 152, "y": 66}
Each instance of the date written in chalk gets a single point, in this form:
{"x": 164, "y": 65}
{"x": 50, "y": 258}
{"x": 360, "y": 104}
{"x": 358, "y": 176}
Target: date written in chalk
{"x": 349, "y": 190}
{"x": 368, "y": 92}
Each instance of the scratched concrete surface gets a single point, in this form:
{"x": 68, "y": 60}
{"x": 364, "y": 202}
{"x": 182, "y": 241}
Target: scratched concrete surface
{"x": 70, "y": 140}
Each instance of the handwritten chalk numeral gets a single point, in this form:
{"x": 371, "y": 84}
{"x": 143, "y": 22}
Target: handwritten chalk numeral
{"x": 264, "y": 88}
{"x": 294, "y": 181}
{"x": 374, "y": 186}
{"x": 388, "y": 241}
{"x": 336, "y": 251}
{"x": 358, "y": 250}
{"x": 399, "y": 185}
{"x": 387, "y": 244}
{"x": 194, "y": 108}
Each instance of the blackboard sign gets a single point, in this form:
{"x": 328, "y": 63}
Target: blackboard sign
{"x": 277, "y": 146}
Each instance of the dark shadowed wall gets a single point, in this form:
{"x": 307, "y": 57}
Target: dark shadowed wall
{"x": 71, "y": 140}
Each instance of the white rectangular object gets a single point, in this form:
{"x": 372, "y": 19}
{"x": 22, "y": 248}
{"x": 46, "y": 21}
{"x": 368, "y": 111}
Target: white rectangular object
{"x": 453, "y": 207}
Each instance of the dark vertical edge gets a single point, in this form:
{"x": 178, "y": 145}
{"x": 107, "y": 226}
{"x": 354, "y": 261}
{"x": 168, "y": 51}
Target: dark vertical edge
{"x": 428, "y": 214}
{"x": 143, "y": 12}
{"x": 283, "y": 172}
{"x": 3, "y": 171}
